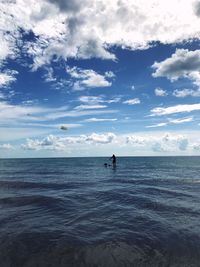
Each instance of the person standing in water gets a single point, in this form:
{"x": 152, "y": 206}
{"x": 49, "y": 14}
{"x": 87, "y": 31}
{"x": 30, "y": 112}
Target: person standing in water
{"x": 113, "y": 160}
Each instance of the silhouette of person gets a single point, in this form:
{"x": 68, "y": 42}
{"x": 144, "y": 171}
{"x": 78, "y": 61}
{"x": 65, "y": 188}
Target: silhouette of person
{"x": 113, "y": 160}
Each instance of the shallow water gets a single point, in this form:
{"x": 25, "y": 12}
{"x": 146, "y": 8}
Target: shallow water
{"x": 76, "y": 212}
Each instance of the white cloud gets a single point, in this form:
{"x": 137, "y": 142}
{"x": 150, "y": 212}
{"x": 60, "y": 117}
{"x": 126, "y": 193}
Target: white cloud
{"x": 64, "y": 28}
{"x": 99, "y": 120}
{"x": 182, "y": 64}
{"x": 6, "y": 146}
{"x": 180, "y": 140}
{"x": 180, "y": 120}
{"x": 85, "y": 78}
{"x": 93, "y": 100}
{"x": 7, "y": 77}
{"x": 109, "y": 74}
{"x": 49, "y": 76}
{"x": 161, "y": 124}
{"x": 50, "y": 142}
{"x": 159, "y": 111}
{"x": 171, "y": 143}
{"x": 160, "y": 92}
{"x": 22, "y": 121}
{"x": 132, "y": 101}
{"x": 186, "y": 92}
{"x": 82, "y": 107}
{"x": 115, "y": 99}
{"x": 136, "y": 140}
{"x": 12, "y": 112}
{"x": 100, "y": 138}
{"x": 159, "y": 142}
{"x": 53, "y": 142}
{"x": 75, "y": 113}
{"x": 171, "y": 121}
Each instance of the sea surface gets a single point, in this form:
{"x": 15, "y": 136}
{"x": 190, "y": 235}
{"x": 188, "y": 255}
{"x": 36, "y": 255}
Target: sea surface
{"x": 76, "y": 212}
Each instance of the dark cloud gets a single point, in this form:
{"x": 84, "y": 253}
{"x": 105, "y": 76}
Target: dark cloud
{"x": 197, "y": 8}
{"x": 67, "y": 5}
{"x": 91, "y": 48}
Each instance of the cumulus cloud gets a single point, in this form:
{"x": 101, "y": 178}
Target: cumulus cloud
{"x": 196, "y": 146}
{"x": 63, "y": 29}
{"x": 136, "y": 140}
{"x": 7, "y": 77}
{"x": 100, "y": 138}
{"x": 186, "y": 92}
{"x": 132, "y": 101}
{"x": 165, "y": 142}
{"x": 182, "y": 64}
{"x": 181, "y": 141}
{"x": 159, "y": 111}
{"x": 171, "y": 143}
{"x": 6, "y": 146}
{"x": 53, "y": 142}
{"x": 85, "y": 78}
{"x": 160, "y": 92}
{"x": 141, "y": 143}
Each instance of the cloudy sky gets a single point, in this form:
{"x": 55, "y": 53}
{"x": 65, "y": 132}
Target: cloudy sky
{"x": 97, "y": 77}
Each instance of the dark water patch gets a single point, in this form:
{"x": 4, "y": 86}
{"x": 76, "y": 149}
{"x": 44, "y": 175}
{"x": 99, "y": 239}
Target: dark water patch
{"x": 37, "y": 200}
{"x": 42, "y": 250}
{"x": 41, "y": 185}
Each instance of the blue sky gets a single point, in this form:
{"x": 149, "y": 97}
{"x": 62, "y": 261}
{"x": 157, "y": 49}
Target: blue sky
{"x": 93, "y": 78}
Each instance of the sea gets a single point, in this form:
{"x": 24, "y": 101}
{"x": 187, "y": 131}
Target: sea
{"x": 58, "y": 212}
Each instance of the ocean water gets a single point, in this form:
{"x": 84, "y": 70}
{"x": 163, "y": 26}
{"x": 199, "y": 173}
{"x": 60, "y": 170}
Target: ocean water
{"x": 77, "y": 212}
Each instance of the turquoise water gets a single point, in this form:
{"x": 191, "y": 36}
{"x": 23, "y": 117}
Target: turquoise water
{"x": 77, "y": 212}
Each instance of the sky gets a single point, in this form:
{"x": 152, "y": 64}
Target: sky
{"x": 96, "y": 77}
